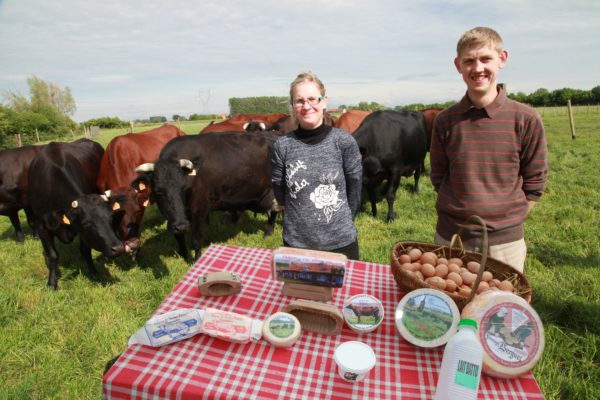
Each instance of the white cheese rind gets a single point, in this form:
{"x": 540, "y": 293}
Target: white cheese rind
{"x": 281, "y": 329}
{"x": 510, "y": 331}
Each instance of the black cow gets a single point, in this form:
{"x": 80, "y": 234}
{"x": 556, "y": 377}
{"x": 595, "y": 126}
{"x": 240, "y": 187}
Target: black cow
{"x": 65, "y": 202}
{"x": 14, "y": 166}
{"x": 226, "y": 171}
{"x": 393, "y": 144}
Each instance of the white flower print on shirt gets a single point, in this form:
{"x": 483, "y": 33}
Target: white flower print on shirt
{"x": 325, "y": 196}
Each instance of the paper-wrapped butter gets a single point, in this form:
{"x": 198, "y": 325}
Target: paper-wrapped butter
{"x": 231, "y": 326}
{"x": 169, "y": 328}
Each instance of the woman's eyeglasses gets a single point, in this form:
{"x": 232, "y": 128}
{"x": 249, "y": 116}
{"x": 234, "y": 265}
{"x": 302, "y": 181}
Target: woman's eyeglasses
{"x": 313, "y": 101}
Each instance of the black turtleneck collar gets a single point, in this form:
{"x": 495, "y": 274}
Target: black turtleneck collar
{"x": 313, "y": 136}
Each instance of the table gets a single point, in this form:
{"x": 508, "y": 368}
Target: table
{"x": 203, "y": 367}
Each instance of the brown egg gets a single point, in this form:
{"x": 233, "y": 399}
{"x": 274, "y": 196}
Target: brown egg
{"x": 414, "y": 254}
{"x": 441, "y": 270}
{"x": 442, "y": 260}
{"x": 453, "y": 268}
{"x": 407, "y": 267}
{"x": 473, "y": 266}
{"x": 436, "y": 282}
{"x": 429, "y": 258}
{"x": 416, "y": 266}
{"x": 453, "y": 276}
{"x": 507, "y": 286}
{"x": 451, "y": 286}
{"x": 487, "y": 276}
{"x": 494, "y": 282}
{"x": 456, "y": 261}
{"x": 404, "y": 258}
{"x": 419, "y": 275}
{"x": 428, "y": 270}
{"x": 468, "y": 278}
{"x": 483, "y": 286}
{"x": 464, "y": 291}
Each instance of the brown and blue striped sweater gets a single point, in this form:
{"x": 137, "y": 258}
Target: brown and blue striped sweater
{"x": 487, "y": 162}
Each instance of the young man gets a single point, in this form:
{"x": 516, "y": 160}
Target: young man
{"x": 488, "y": 155}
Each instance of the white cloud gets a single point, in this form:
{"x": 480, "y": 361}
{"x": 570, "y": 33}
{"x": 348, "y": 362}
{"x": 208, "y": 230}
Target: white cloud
{"x": 116, "y": 55}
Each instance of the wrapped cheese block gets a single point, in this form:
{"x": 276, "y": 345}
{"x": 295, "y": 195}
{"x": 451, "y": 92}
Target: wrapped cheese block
{"x": 231, "y": 326}
{"x": 510, "y": 331}
{"x": 169, "y": 328}
{"x": 309, "y": 267}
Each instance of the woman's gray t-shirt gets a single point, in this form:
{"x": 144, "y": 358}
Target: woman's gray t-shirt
{"x": 319, "y": 185}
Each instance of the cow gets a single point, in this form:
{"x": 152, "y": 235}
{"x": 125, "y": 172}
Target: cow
{"x": 14, "y": 167}
{"x": 236, "y": 123}
{"x": 393, "y": 144}
{"x": 117, "y": 170}
{"x": 429, "y": 114}
{"x": 364, "y": 311}
{"x": 351, "y": 120}
{"x": 65, "y": 203}
{"x": 214, "y": 171}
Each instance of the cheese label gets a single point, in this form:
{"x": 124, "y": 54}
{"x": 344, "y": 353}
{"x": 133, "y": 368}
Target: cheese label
{"x": 282, "y": 326}
{"x": 172, "y": 327}
{"x": 428, "y": 316}
{"x": 509, "y": 334}
{"x": 363, "y": 312}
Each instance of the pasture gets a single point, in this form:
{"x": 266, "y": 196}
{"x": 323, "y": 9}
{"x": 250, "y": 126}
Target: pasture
{"x": 59, "y": 344}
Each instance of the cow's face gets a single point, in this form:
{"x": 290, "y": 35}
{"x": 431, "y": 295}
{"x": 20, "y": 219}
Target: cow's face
{"x": 91, "y": 216}
{"x": 170, "y": 183}
{"x": 132, "y": 203}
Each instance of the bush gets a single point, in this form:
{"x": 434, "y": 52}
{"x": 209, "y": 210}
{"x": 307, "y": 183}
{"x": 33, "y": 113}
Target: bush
{"x": 258, "y": 105}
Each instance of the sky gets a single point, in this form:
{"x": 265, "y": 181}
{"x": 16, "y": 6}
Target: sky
{"x": 139, "y": 58}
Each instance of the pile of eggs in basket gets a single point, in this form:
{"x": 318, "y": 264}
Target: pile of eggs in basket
{"x": 451, "y": 275}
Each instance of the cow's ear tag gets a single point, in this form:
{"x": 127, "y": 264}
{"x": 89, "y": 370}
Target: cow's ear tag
{"x": 146, "y": 203}
{"x": 116, "y": 206}
{"x": 141, "y": 186}
{"x": 74, "y": 204}
{"x": 192, "y": 173}
{"x": 66, "y": 220}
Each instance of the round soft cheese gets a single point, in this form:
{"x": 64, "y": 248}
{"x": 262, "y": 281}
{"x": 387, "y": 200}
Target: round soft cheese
{"x": 281, "y": 329}
{"x": 363, "y": 313}
{"x": 510, "y": 332}
{"x": 427, "y": 317}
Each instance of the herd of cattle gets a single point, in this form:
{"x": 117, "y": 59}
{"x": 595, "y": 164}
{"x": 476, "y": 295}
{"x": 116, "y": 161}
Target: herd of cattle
{"x": 78, "y": 188}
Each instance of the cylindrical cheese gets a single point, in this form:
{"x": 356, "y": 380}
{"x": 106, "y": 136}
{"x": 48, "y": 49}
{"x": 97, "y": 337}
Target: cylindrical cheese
{"x": 427, "y": 317}
{"x": 510, "y": 331}
{"x": 363, "y": 313}
{"x": 281, "y": 329}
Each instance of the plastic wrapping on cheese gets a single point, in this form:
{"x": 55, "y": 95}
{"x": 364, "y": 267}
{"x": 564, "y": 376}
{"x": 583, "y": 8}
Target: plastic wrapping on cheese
{"x": 310, "y": 267}
{"x": 169, "y": 328}
{"x": 281, "y": 329}
{"x": 231, "y": 326}
{"x": 510, "y": 332}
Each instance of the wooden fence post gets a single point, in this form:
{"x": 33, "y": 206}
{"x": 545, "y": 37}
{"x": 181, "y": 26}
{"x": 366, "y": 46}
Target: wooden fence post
{"x": 571, "y": 120}
{"x": 130, "y": 126}
{"x": 18, "y": 139}
{"x": 37, "y": 135}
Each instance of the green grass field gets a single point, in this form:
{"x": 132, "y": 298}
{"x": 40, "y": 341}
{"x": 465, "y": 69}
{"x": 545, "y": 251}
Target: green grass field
{"x": 59, "y": 344}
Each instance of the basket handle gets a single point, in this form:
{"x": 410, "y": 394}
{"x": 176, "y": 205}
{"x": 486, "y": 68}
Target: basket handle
{"x": 475, "y": 220}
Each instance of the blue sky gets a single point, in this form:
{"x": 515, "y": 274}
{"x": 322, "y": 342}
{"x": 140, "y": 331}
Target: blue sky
{"x": 137, "y": 58}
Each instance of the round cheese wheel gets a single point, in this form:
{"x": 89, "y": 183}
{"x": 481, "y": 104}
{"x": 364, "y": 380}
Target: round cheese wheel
{"x": 510, "y": 332}
{"x": 363, "y": 313}
{"x": 427, "y": 317}
{"x": 281, "y": 329}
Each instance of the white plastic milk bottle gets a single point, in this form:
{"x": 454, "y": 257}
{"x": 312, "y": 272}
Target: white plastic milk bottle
{"x": 461, "y": 366}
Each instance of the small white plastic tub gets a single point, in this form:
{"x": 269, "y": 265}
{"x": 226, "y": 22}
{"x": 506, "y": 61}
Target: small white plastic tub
{"x": 354, "y": 360}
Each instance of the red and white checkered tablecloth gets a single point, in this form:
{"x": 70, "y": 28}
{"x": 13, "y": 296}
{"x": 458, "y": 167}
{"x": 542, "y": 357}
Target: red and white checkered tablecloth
{"x": 203, "y": 367}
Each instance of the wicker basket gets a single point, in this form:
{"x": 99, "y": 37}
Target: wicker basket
{"x": 408, "y": 282}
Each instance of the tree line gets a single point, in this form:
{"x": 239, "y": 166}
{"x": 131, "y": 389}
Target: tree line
{"x": 46, "y": 113}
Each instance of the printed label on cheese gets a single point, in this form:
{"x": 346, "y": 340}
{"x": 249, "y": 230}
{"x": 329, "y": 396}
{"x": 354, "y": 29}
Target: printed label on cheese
{"x": 509, "y": 334}
{"x": 428, "y": 316}
{"x": 172, "y": 327}
{"x": 363, "y": 312}
{"x": 282, "y": 326}
{"x": 309, "y": 270}
{"x": 226, "y": 325}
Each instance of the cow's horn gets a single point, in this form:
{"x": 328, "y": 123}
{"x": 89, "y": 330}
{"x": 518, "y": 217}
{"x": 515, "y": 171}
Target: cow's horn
{"x": 262, "y": 126}
{"x": 104, "y": 197}
{"x": 146, "y": 167}
{"x": 183, "y": 163}
{"x": 245, "y": 125}
{"x": 107, "y": 193}
{"x": 74, "y": 204}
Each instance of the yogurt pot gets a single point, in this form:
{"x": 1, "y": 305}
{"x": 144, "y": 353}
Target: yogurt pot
{"x": 354, "y": 360}
{"x": 363, "y": 313}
